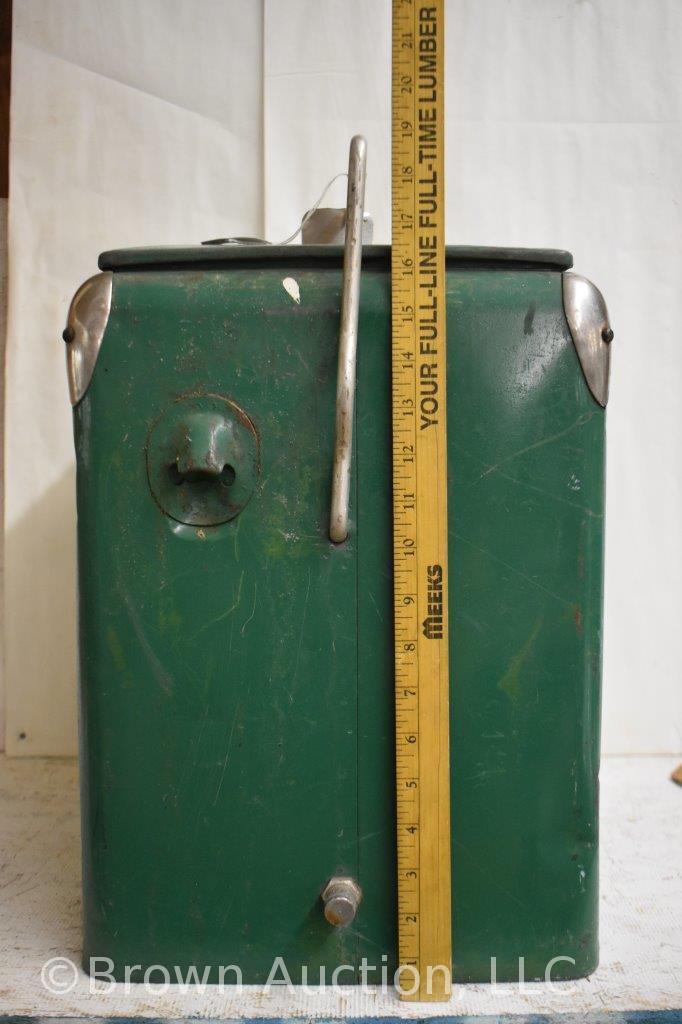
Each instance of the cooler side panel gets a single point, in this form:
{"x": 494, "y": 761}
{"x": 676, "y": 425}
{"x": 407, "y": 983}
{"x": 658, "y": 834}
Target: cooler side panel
{"x": 526, "y": 443}
{"x": 218, "y": 666}
{"x": 526, "y": 449}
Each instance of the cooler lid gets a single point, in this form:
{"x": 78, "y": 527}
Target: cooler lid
{"x": 177, "y": 257}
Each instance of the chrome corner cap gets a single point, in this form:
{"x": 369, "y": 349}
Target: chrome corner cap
{"x": 85, "y": 327}
{"x": 588, "y": 322}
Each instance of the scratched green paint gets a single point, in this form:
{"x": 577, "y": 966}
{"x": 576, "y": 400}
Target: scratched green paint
{"x": 513, "y": 678}
{"x": 236, "y": 682}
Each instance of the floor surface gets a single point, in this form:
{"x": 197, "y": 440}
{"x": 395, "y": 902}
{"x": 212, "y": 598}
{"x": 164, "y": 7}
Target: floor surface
{"x": 641, "y": 917}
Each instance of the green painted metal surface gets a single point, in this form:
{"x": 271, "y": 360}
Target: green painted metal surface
{"x": 237, "y": 679}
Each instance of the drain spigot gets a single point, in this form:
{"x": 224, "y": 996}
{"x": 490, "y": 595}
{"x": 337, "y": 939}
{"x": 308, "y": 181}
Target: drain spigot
{"x": 341, "y": 898}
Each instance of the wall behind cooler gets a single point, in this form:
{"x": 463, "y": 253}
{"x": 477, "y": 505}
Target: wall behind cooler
{"x": 173, "y": 121}
{"x": 131, "y": 123}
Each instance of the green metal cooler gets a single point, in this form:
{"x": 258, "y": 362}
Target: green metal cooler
{"x": 237, "y": 702}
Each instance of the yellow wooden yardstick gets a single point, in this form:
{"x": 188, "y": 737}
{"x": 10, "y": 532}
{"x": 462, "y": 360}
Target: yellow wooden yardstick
{"x": 420, "y": 501}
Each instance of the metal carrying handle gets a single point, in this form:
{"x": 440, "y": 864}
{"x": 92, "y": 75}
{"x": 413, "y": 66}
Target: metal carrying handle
{"x": 348, "y": 339}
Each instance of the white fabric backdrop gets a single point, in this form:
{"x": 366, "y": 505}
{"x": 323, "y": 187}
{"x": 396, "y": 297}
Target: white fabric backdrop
{"x": 175, "y": 121}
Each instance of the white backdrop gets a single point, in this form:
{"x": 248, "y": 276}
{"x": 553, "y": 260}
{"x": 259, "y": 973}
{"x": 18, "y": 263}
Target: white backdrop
{"x": 177, "y": 120}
